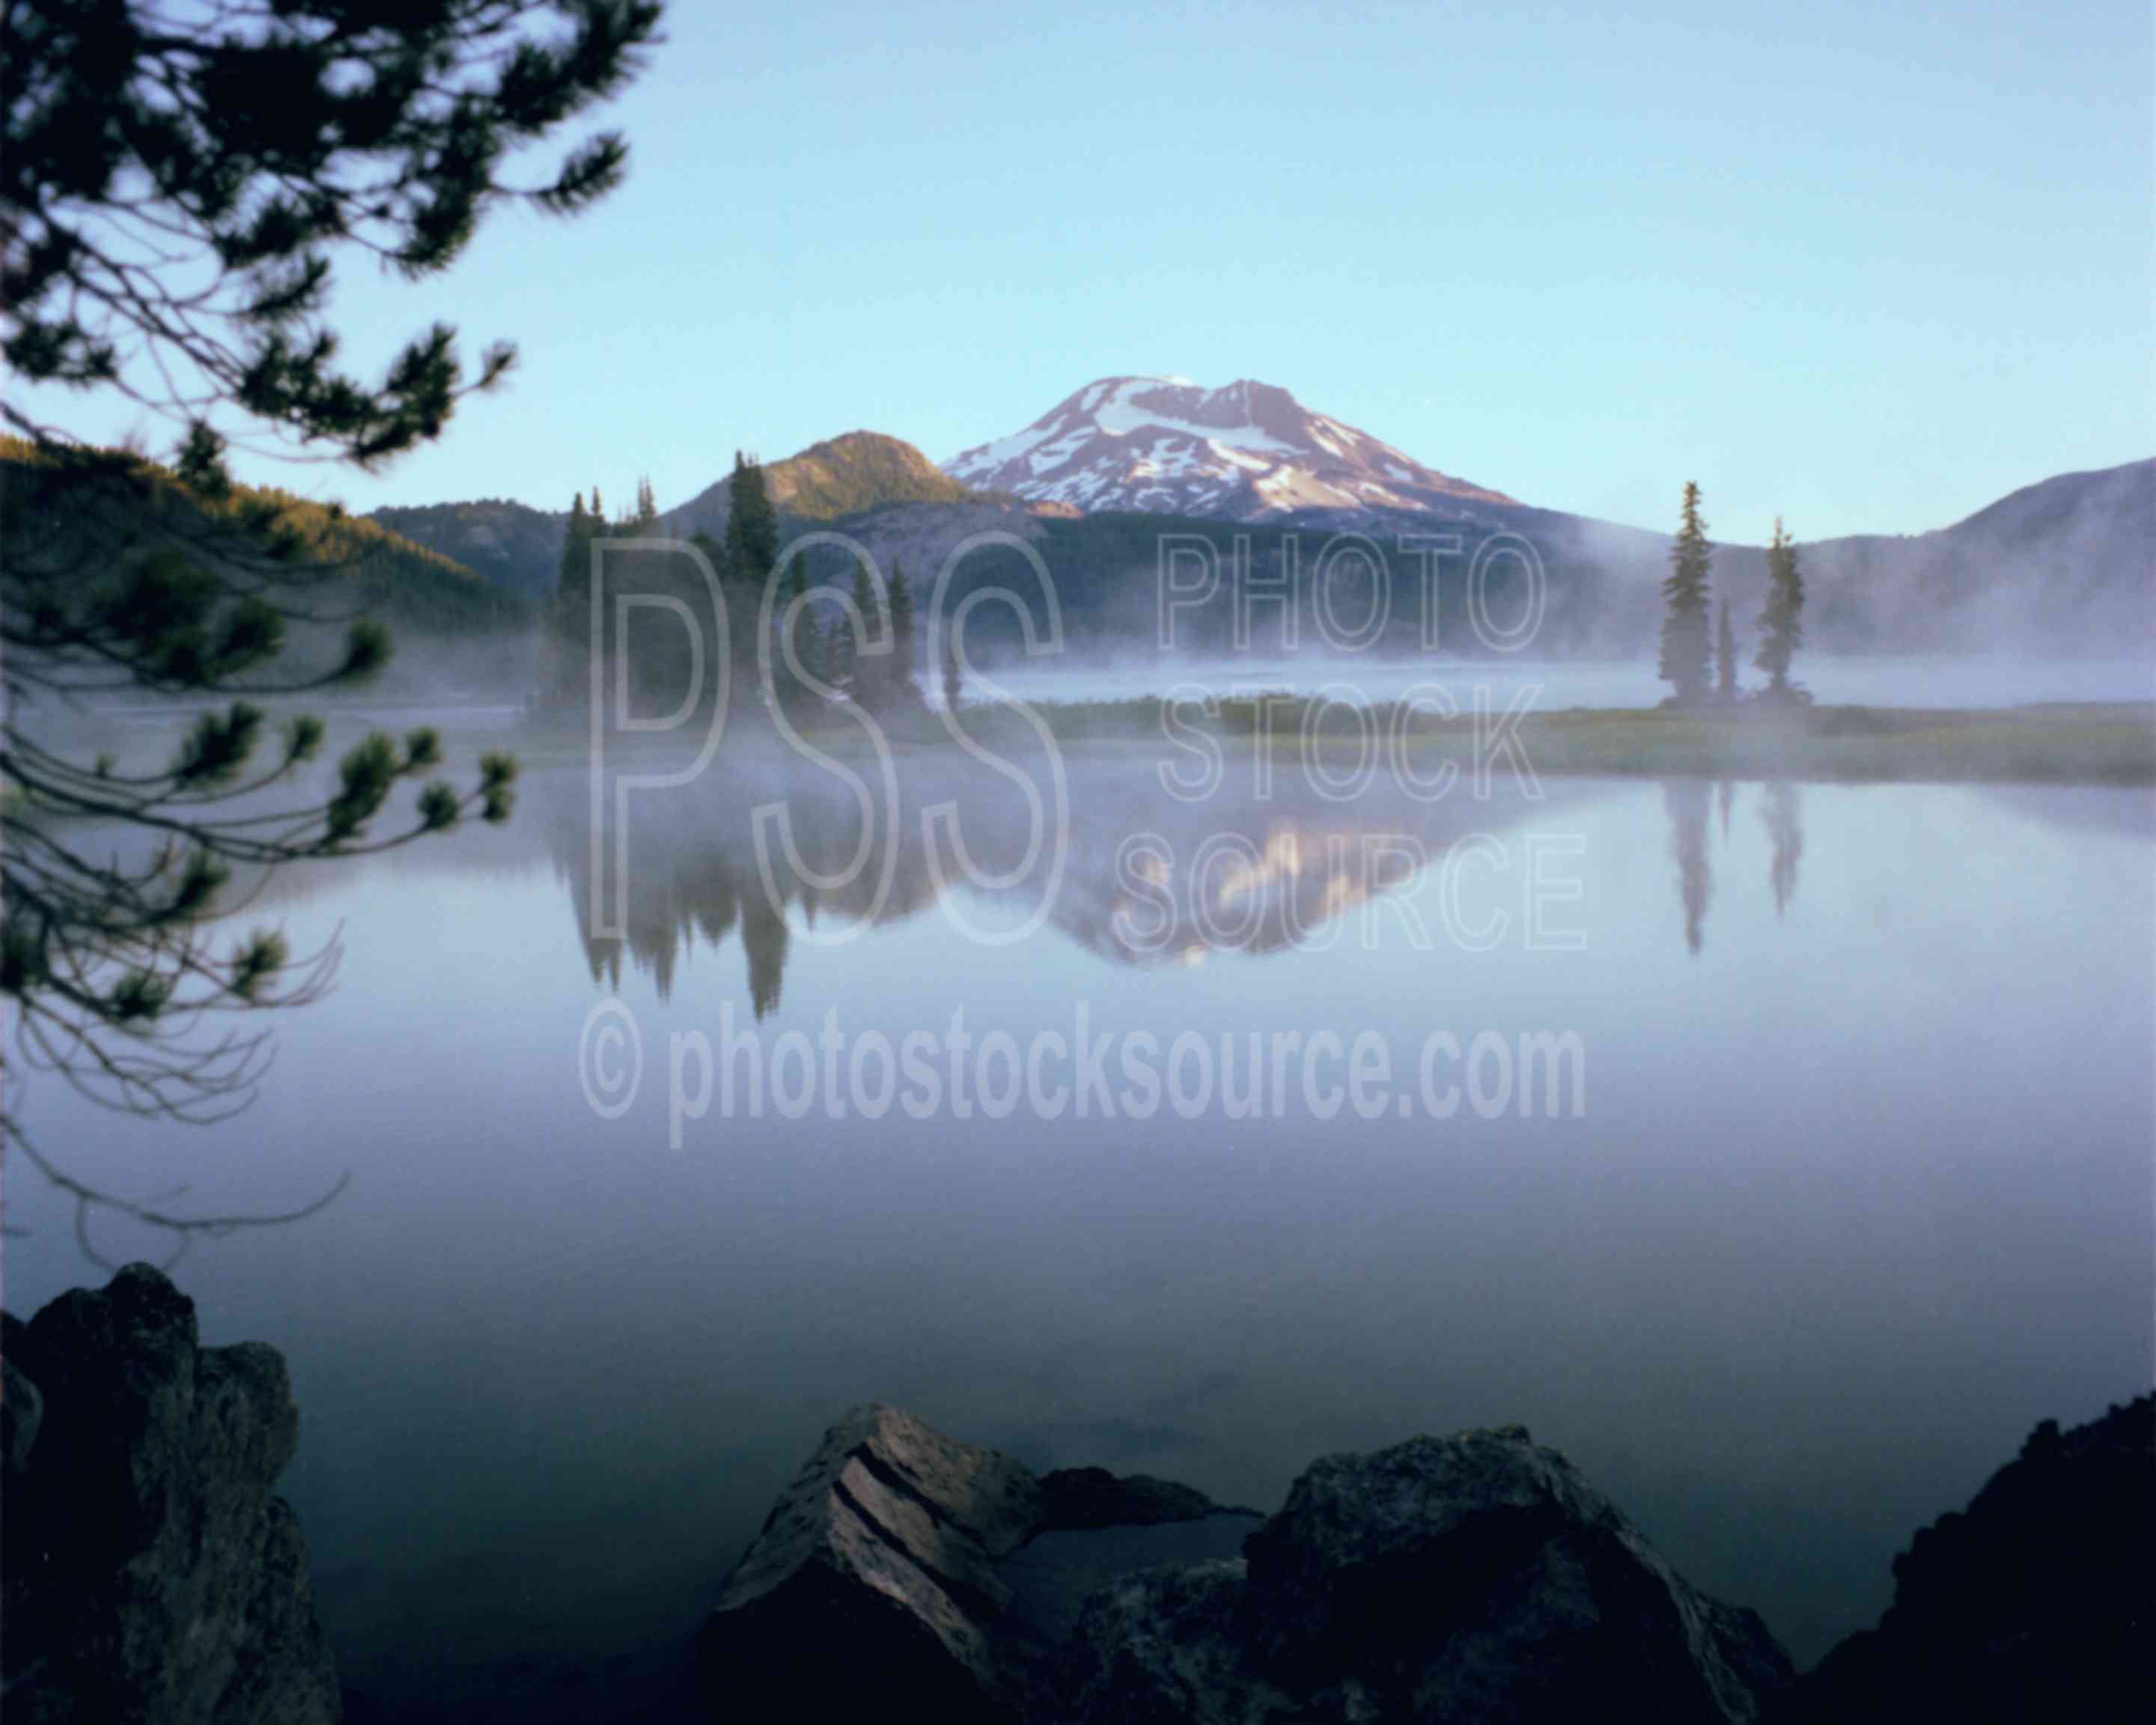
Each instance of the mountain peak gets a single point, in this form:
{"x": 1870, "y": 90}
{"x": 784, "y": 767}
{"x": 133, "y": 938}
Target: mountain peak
{"x": 1169, "y": 446}
{"x": 840, "y": 476}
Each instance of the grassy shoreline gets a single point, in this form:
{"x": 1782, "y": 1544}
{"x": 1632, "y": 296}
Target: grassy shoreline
{"x": 2098, "y": 743}
{"x": 2075, "y": 743}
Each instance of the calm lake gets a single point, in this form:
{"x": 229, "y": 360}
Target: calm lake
{"x": 1858, "y": 1186}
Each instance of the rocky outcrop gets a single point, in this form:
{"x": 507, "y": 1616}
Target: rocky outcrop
{"x": 1077, "y": 1498}
{"x": 150, "y": 1573}
{"x": 879, "y": 1574}
{"x": 1472, "y": 1578}
{"x": 2035, "y": 1603}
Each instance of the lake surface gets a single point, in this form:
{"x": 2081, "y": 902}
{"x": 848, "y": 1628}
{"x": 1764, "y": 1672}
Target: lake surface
{"x": 1859, "y": 1187}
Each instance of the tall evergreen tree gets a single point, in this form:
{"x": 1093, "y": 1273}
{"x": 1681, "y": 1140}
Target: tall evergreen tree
{"x": 740, "y": 600}
{"x": 812, "y": 639}
{"x": 899, "y": 672}
{"x": 573, "y": 598}
{"x": 841, "y": 649}
{"x": 1686, "y": 650}
{"x": 1725, "y": 656}
{"x": 871, "y": 671}
{"x": 752, "y": 528}
{"x": 751, "y": 551}
{"x": 573, "y": 565}
{"x": 1781, "y": 627}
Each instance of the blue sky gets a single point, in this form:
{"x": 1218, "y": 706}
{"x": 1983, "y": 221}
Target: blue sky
{"x": 1869, "y": 267}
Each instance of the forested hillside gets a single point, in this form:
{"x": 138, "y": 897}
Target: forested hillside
{"x": 105, "y": 500}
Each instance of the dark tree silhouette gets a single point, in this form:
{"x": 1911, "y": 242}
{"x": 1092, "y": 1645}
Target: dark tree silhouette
{"x": 174, "y": 189}
{"x": 1725, "y": 656}
{"x": 1781, "y": 627}
{"x": 764, "y": 939}
{"x": 573, "y": 599}
{"x": 870, "y": 670}
{"x": 901, "y": 689}
{"x": 752, "y": 541}
{"x": 1685, "y": 646}
{"x": 177, "y": 180}
{"x": 841, "y": 646}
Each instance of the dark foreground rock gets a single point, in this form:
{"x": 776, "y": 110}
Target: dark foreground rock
{"x": 1472, "y": 1578}
{"x": 2038, "y": 1601}
{"x": 878, "y": 1577}
{"x": 1466, "y": 1578}
{"x": 150, "y": 1573}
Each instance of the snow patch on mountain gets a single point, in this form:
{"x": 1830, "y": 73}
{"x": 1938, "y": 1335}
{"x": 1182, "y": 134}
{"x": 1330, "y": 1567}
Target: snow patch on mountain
{"x": 1165, "y": 445}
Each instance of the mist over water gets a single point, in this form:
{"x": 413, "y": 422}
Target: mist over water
{"x": 2001, "y": 681}
{"x": 1857, "y": 1191}
{"x": 423, "y": 688}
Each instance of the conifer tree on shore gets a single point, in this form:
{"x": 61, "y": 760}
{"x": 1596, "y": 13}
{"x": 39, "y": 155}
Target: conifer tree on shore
{"x": 954, "y": 676}
{"x": 573, "y": 594}
{"x": 863, "y": 672}
{"x": 752, "y": 541}
{"x": 1684, "y": 660}
{"x": 900, "y": 672}
{"x": 1781, "y": 627}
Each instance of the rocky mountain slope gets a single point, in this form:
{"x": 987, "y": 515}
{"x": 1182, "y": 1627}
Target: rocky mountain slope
{"x": 1244, "y": 452}
{"x": 2065, "y": 562}
{"x": 840, "y": 476}
{"x": 518, "y": 547}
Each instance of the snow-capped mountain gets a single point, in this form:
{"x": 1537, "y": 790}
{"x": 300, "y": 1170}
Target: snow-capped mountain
{"x": 1165, "y": 446}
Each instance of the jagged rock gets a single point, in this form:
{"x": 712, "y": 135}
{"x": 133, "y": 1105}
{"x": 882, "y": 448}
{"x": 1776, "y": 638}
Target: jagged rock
{"x": 150, "y": 1573}
{"x": 2035, "y": 1603}
{"x": 876, "y": 1576}
{"x": 1059, "y": 1573}
{"x": 1474, "y": 1578}
{"x": 22, "y": 1412}
{"x": 1169, "y": 1646}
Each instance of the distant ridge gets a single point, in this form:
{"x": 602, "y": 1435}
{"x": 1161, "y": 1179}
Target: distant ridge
{"x": 2062, "y": 566}
{"x": 511, "y": 544}
{"x": 519, "y": 547}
